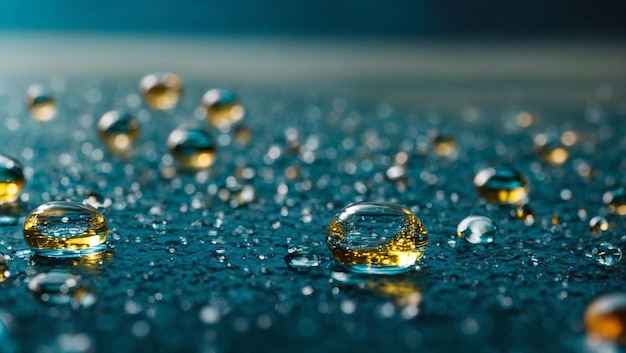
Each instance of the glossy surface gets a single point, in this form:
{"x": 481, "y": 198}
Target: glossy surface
{"x": 477, "y": 229}
{"x": 222, "y": 108}
{"x": 118, "y": 130}
{"x": 161, "y": 91}
{"x": 501, "y": 184}
{"x": 376, "y": 237}
{"x": 193, "y": 148}
{"x": 65, "y": 229}
{"x": 11, "y": 179}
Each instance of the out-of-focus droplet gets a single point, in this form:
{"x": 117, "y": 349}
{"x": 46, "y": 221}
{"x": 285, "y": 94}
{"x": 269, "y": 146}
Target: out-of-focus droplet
{"x": 445, "y": 146}
{"x": 569, "y": 138}
{"x": 118, "y": 130}
{"x": 59, "y": 287}
{"x": 237, "y": 194}
{"x": 65, "y": 229}
{"x": 96, "y": 200}
{"x": 524, "y": 119}
{"x": 402, "y": 292}
{"x": 376, "y": 237}
{"x": 193, "y": 148}
{"x": 606, "y": 254}
{"x": 524, "y": 213}
{"x": 551, "y": 150}
{"x": 4, "y": 269}
{"x": 161, "y": 91}
{"x": 222, "y": 108}
{"x": 597, "y": 225}
{"x": 11, "y": 179}
{"x": 243, "y": 135}
{"x": 477, "y": 229}
{"x": 501, "y": 184}
{"x": 302, "y": 260}
{"x": 41, "y": 103}
{"x": 615, "y": 199}
{"x": 605, "y": 318}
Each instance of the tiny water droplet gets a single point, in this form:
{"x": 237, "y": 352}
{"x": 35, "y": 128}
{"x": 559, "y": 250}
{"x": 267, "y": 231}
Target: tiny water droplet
{"x": 301, "y": 260}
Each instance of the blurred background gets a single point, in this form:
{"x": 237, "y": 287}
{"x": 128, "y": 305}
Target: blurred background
{"x": 396, "y": 43}
{"x": 414, "y": 19}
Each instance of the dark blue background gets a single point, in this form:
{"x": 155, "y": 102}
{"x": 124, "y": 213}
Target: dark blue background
{"x": 405, "y": 18}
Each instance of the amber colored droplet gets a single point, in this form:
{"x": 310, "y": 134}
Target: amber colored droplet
{"x": 11, "y": 179}
{"x": 552, "y": 151}
{"x": 41, "y": 103}
{"x": 376, "y": 238}
{"x": 193, "y": 148}
{"x": 222, "y": 108}
{"x": 605, "y": 318}
{"x": 118, "y": 130}
{"x": 501, "y": 184}
{"x": 161, "y": 91}
{"x": 445, "y": 146}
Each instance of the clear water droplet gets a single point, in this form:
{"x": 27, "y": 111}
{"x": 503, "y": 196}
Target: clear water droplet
{"x": 59, "y": 287}
{"x": 477, "y": 230}
{"x": 606, "y": 254}
{"x": 301, "y": 260}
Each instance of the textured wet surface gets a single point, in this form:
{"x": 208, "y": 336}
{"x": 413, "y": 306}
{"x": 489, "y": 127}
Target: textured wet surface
{"x": 189, "y": 267}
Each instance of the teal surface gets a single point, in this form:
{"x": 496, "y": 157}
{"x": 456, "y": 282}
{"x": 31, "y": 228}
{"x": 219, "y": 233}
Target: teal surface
{"x": 185, "y": 271}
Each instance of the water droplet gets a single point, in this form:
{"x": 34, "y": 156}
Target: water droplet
{"x": 606, "y": 254}
{"x": 301, "y": 260}
{"x": 501, "y": 184}
{"x": 597, "y": 225}
{"x": 616, "y": 201}
{"x": 445, "y": 146}
{"x": 376, "y": 237}
{"x": 552, "y": 151}
{"x": 161, "y": 91}
{"x": 524, "y": 213}
{"x": 243, "y": 135}
{"x": 237, "y": 194}
{"x": 605, "y": 318}
{"x": 96, "y": 200}
{"x": 118, "y": 130}
{"x": 4, "y": 269}
{"x": 222, "y": 108}
{"x": 192, "y": 147}
{"x": 477, "y": 229}
{"x": 84, "y": 232}
{"x": 11, "y": 179}
{"x": 59, "y": 287}
{"x": 41, "y": 104}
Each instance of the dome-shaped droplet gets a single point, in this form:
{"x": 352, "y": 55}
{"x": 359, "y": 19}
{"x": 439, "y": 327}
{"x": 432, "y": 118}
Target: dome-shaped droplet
{"x": 598, "y": 225}
{"x": 301, "y": 260}
{"x": 118, "y": 130}
{"x": 477, "y": 229}
{"x": 501, "y": 184}
{"x": 192, "y": 147}
{"x": 606, "y": 254}
{"x": 222, "y": 108}
{"x": 65, "y": 229}
{"x": 445, "y": 146}
{"x": 161, "y": 90}
{"x": 605, "y": 318}
{"x": 41, "y": 103}
{"x": 59, "y": 287}
{"x": 616, "y": 201}
{"x": 376, "y": 237}
{"x": 551, "y": 150}
{"x": 11, "y": 179}
{"x": 4, "y": 269}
